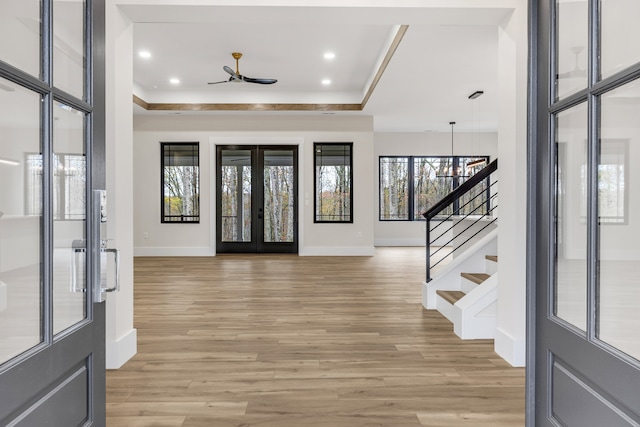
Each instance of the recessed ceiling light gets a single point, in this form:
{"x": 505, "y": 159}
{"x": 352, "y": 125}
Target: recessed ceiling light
{"x": 326, "y": 82}
{"x": 174, "y": 81}
{"x": 144, "y": 54}
{"x": 329, "y": 55}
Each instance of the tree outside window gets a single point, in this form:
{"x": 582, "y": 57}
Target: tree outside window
{"x": 180, "y": 182}
{"x": 333, "y": 170}
{"x": 411, "y": 185}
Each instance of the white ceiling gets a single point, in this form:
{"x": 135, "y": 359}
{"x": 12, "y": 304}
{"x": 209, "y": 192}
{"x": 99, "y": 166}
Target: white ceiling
{"x": 445, "y": 55}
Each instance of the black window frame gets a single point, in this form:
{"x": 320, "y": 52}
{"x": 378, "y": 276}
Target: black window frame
{"x": 411, "y": 215}
{"x": 318, "y": 146}
{"x": 180, "y": 219}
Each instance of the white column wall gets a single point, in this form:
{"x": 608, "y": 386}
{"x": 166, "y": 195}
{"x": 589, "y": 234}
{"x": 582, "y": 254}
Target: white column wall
{"x": 512, "y": 170}
{"x": 121, "y": 341}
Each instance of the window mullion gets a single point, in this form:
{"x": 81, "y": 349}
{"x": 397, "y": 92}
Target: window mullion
{"x": 410, "y": 188}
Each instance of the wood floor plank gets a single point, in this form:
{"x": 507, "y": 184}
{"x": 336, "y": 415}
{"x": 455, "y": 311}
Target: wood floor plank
{"x": 282, "y": 340}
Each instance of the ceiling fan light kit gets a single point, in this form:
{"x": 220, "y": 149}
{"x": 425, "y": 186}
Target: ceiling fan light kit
{"x": 237, "y": 77}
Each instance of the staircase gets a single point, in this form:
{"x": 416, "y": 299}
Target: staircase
{"x": 462, "y": 231}
{"x": 465, "y": 291}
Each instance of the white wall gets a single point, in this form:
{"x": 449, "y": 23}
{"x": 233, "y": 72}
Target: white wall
{"x": 121, "y": 336}
{"x": 412, "y": 233}
{"x": 512, "y": 171}
{"x": 199, "y": 239}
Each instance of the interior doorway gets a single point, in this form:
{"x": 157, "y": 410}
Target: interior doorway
{"x": 257, "y": 207}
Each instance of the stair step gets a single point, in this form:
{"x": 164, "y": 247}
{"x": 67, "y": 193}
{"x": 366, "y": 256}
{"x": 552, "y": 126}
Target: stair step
{"x": 475, "y": 277}
{"x": 451, "y": 296}
{"x": 493, "y": 258}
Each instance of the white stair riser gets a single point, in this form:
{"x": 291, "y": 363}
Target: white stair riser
{"x": 467, "y": 285}
{"x": 448, "y": 310}
{"x": 491, "y": 267}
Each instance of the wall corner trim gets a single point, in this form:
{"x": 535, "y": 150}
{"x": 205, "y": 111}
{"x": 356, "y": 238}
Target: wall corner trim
{"x": 120, "y": 351}
{"x": 511, "y": 349}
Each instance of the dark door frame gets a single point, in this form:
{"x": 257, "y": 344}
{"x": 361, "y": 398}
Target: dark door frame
{"x": 257, "y": 244}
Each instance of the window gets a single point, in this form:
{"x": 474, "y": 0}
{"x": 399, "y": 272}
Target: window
{"x": 333, "y": 178}
{"x": 410, "y": 185}
{"x": 180, "y": 182}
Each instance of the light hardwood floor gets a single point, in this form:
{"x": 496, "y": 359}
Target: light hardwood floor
{"x": 282, "y": 340}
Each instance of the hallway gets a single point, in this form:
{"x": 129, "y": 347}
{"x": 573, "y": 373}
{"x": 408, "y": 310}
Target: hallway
{"x": 282, "y": 340}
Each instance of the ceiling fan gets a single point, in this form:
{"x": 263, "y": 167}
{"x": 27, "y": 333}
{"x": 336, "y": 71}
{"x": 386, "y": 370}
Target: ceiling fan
{"x": 237, "y": 77}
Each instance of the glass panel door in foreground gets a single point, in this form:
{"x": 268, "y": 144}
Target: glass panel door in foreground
{"x": 618, "y": 220}
{"x": 69, "y": 217}
{"x": 21, "y": 273}
{"x": 584, "y": 238}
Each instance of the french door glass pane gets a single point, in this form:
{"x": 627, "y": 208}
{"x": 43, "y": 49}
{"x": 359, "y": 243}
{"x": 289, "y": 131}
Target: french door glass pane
{"x": 20, "y": 230}
{"x": 20, "y": 34}
{"x": 619, "y": 199}
{"x": 235, "y": 187}
{"x": 69, "y": 182}
{"x": 616, "y": 52}
{"x": 572, "y": 46}
{"x": 69, "y": 61}
{"x": 278, "y": 196}
{"x": 570, "y": 292}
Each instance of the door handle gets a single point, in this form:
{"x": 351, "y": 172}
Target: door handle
{"x": 116, "y": 259}
{"x": 77, "y": 270}
{"x": 77, "y": 264}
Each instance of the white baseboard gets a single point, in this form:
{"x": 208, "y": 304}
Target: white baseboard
{"x": 399, "y": 242}
{"x": 120, "y": 351}
{"x": 513, "y": 350}
{"x": 337, "y": 251}
{"x": 173, "y": 251}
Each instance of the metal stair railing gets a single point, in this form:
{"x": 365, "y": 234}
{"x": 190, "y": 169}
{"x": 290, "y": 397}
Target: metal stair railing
{"x": 481, "y": 190}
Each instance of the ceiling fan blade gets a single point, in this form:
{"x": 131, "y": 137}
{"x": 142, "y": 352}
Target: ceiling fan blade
{"x": 237, "y": 77}
{"x": 222, "y": 81}
{"x": 259, "y": 81}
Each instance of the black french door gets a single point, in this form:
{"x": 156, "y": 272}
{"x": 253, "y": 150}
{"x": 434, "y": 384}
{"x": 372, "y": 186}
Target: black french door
{"x": 256, "y": 199}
